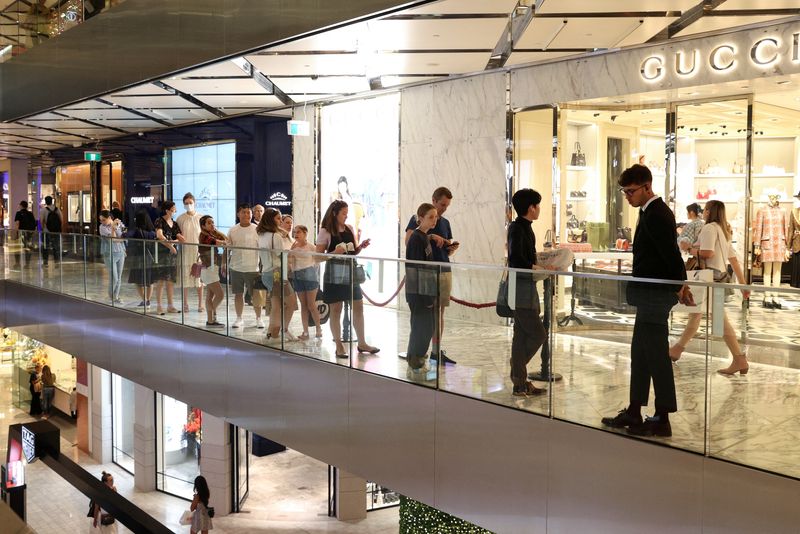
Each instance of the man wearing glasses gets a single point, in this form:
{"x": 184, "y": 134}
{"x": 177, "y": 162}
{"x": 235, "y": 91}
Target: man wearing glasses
{"x": 655, "y": 255}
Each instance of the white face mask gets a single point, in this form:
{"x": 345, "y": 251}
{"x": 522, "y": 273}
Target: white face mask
{"x": 189, "y": 206}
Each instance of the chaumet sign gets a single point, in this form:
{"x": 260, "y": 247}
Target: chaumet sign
{"x": 724, "y": 58}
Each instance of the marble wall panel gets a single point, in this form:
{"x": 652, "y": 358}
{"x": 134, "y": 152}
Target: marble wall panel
{"x": 303, "y": 175}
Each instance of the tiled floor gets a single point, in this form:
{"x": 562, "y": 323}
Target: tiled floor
{"x": 752, "y": 419}
{"x": 288, "y": 492}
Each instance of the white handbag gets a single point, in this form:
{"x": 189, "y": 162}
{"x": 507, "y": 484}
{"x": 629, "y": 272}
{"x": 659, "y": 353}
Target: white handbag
{"x": 186, "y": 518}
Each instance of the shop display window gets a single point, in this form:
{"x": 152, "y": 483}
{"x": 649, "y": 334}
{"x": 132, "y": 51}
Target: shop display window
{"x": 209, "y": 173}
{"x": 179, "y": 437}
{"x": 123, "y": 419}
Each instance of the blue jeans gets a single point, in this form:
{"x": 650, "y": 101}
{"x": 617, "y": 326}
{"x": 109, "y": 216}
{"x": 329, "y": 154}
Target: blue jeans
{"x": 47, "y": 399}
{"x": 114, "y": 264}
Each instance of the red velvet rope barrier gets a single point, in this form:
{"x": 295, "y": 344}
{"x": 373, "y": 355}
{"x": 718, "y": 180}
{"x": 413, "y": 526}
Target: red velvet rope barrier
{"x": 454, "y": 299}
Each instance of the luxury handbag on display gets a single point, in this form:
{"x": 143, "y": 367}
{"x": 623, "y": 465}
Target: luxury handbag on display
{"x": 578, "y": 157}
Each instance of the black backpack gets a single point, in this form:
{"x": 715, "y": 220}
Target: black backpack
{"x": 53, "y": 222}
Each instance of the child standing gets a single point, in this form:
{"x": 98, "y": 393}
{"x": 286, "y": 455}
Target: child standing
{"x": 305, "y": 279}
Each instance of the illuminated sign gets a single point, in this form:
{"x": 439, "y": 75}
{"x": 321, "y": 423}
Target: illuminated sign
{"x": 28, "y": 445}
{"x": 277, "y": 200}
{"x": 723, "y": 58}
{"x": 91, "y": 155}
{"x": 301, "y": 128}
{"x": 142, "y": 200}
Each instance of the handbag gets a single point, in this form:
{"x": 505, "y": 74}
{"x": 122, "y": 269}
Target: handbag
{"x": 107, "y": 519}
{"x": 210, "y": 511}
{"x": 501, "y": 305}
{"x": 196, "y": 269}
{"x": 578, "y": 158}
{"x": 361, "y": 275}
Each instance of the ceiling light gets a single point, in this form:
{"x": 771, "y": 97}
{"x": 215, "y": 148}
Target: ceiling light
{"x": 619, "y": 101}
{"x": 432, "y": 64}
{"x": 783, "y": 82}
{"x": 5, "y": 49}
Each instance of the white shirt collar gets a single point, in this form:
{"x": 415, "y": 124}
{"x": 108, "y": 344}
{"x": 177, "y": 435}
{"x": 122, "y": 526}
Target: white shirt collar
{"x": 649, "y": 202}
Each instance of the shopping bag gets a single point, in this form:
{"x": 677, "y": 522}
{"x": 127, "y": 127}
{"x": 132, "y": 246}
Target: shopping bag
{"x": 186, "y": 518}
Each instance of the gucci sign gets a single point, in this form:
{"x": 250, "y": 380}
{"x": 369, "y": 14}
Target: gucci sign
{"x": 724, "y": 58}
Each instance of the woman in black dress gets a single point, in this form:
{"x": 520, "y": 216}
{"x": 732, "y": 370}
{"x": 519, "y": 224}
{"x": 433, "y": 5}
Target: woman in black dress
{"x": 36, "y": 396}
{"x": 140, "y": 251}
{"x": 169, "y": 234}
{"x": 336, "y": 237}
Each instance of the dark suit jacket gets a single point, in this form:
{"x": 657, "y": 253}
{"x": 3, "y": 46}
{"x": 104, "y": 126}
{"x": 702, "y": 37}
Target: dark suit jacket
{"x": 655, "y": 249}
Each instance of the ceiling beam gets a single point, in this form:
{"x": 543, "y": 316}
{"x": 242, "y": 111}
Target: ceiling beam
{"x": 189, "y": 98}
{"x": 263, "y": 81}
{"x": 689, "y": 17}
{"x": 518, "y": 21}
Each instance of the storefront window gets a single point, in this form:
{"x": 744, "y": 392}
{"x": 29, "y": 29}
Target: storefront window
{"x": 209, "y": 173}
{"x": 179, "y": 431}
{"x": 124, "y": 416}
{"x": 241, "y": 448}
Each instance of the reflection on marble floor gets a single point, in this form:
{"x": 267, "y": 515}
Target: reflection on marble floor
{"x": 752, "y": 419}
{"x": 288, "y": 491}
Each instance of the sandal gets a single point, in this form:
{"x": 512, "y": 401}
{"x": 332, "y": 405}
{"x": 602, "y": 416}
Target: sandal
{"x": 172, "y": 309}
{"x": 368, "y": 349}
{"x": 343, "y": 353}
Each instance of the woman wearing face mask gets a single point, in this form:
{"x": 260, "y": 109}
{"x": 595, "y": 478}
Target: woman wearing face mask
{"x": 189, "y": 223}
{"x": 169, "y": 234}
{"x": 113, "y": 252}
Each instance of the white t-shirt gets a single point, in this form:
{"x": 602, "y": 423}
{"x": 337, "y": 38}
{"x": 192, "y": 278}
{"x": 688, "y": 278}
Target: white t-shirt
{"x": 713, "y": 238}
{"x": 270, "y": 246}
{"x": 244, "y": 261}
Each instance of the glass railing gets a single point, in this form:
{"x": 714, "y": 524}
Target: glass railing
{"x": 389, "y": 317}
{"x": 29, "y": 23}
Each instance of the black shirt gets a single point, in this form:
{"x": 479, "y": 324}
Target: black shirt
{"x": 521, "y": 244}
{"x": 26, "y": 220}
{"x": 421, "y": 281}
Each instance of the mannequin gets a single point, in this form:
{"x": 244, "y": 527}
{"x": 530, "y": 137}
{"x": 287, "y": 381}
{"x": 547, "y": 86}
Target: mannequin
{"x": 769, "y": 240}
{"x": 793, "y": 241}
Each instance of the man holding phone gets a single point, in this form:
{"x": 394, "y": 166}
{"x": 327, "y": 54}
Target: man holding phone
{"x": 443, "y": 247}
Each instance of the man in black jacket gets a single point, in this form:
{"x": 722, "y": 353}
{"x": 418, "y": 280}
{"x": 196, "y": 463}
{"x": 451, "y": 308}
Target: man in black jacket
{"x": 655, "y": 255}
{"x": 529, "y": 332}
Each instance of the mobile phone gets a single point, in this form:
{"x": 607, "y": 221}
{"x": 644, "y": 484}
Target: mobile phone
{"x": 453, "y": 244}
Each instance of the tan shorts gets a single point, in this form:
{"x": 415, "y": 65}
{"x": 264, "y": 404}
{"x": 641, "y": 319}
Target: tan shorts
{"x": 445, "y": 288}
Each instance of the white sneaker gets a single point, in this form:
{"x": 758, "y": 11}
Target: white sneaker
{"x": 260, "y": 323}
{"x": 418, "y": 375}
{"x": 237, "y": 323}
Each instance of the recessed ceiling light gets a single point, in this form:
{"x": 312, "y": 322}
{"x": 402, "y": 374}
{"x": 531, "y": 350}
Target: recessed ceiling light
{"x": 783, "y": 82}
{"x": 436, "y": 35}
{"x": 774, "y": 119}
{"x": 432, "y": 64}
{"x": 619, "y": 101}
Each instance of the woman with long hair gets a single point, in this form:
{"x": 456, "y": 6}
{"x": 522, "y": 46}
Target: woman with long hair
{"x": 140, "y": 255}
{"x": 272, "y": 240}
{"x": 714, "y": 247}
{"x": 169, "y": 234}
{"x": 211, "y": 260}
{"x": 337, "y": 237}
{"x": 201, "y": 521}
{"x": 48, "y": 390}
{"x": 102, "y": 521}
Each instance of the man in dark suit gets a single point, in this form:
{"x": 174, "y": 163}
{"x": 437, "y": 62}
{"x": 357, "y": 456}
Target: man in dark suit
{"x": 655, "y": 255}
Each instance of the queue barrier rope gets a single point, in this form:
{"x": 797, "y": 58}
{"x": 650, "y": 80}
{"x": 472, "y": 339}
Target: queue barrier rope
{"x": 468, "y": 304}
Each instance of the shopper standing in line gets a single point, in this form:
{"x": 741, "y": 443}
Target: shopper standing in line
{"x": 443, "y": 247}
{"x": 189, "y": 223}
{"x": 112, "y": 248}
{"x": 48, "y": 390}
{"x": 421, "y": 292}
{"x": 141, "y": 251}
{"x": 50, "y": 218}
{"x": 201, "y": 520}
{"x": 655, "y": 255}
{"x": 272, "y": 240}
{"x": 529, "y": 333}
{"x": 169, "y": 234}
{"x": 212, "y": 261}
{"x": 258, "y": 212}
{"x": 243, "y": 266}
{"x": 337, "y": 237}
{"x": 305, "y": 279}
{"x": 25, "y": 224}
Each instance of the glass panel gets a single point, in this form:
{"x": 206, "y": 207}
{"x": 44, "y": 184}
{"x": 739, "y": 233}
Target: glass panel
{"x": 136, "y": 287}
{"x": 124, "y": 403}
{"x": 71, "y": 249}
{"x": 179, "y": 435}
{"x": 246, "y": 310}
{"x": 607, "y": 327}
{"x": 754, "y": 414}
{"x": 167, "y": 294}
{"x": 99, "y": 278}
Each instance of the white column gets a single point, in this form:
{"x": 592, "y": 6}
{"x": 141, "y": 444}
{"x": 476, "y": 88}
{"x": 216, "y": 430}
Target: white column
{"x": 215, "y": 462}
{"x": 101, "y": 414}
{"x": 351, "y": 496}
{"x": 144, "y": 439}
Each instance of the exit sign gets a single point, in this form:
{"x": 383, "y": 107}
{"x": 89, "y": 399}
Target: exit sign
{"x": 92, "y": 156}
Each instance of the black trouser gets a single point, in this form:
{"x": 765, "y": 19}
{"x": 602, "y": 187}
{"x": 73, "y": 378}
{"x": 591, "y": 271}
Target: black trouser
{"x": 529, "y": 335}
{"x": 650, "y": 359}
{"x": 52, "y": 243}
{"x": 423, "y": 324}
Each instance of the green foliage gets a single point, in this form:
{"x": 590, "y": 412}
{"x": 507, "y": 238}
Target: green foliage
{"x": 418, "y": 518}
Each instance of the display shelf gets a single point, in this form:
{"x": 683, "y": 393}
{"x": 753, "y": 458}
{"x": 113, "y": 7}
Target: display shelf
{"x": 578, "y": 199}
{"x": 578, "y": 168}
{"x": 729, "y": 176}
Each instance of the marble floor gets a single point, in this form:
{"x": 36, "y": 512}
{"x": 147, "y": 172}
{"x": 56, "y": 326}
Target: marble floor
{"x": 288, "y": 491}
{"x": 752, "y": 419}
